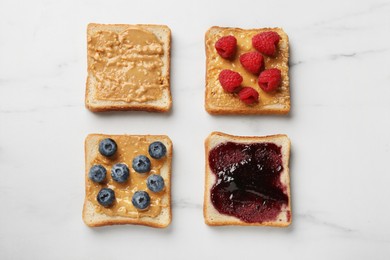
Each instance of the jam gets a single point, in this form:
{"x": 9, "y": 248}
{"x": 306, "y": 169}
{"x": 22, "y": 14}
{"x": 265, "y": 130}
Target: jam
{"x": 248, "y": 182}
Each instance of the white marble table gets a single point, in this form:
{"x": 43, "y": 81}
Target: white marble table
{"x": 339, "y": 126}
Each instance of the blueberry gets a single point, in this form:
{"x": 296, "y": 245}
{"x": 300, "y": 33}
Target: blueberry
{"x": 157, "y": 150}
{"x": 120, "y": 172}
{"x": 107, "y": 147}
{"x": 141, "y": 164}
{"x": 106, "y": 197}
{"x": 97, "y": 173}
{"x": 155, "y": 183}
{"x": 141, "y": 200}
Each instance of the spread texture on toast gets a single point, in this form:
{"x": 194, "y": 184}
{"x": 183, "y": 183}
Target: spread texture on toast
{"x": 247, "y": 180}
{"x": 220, "y": 101}
{"x": 128, "y": 67}
{"x": 130, "y": 169}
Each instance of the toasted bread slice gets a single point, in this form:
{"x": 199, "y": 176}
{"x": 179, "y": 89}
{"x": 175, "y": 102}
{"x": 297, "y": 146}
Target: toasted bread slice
{"x": 217, "y": 101}
{"x": 269, "y": 216}
{"x": 122, "y": 211}
{"x": 128, "y": 67}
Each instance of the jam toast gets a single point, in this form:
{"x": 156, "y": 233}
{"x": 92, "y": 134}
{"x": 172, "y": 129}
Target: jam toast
{"x": 127, "y": 180}
{"x": 247, "y": 180}
{"x": 128, "y": 67}
{"x": 230, "y": 100}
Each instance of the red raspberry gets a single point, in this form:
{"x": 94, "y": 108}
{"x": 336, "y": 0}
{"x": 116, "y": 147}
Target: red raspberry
{"x": 248, "y": 95}
{"x": 269, "y": 80}
{"x": 252, "y": 61}
{"x": 226, "y": 46}
{"x": 266, "y": 42}
{"x": 230, "y": 80}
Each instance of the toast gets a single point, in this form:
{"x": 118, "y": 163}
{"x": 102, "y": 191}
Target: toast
{"x": 218, "y": 101}
{"x": 243, "y": 182}
{"x": 128, "y": 67}
{"x": 122, "y": 210}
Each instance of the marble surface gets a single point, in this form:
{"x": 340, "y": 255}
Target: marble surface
{"x": 339, "y": 127}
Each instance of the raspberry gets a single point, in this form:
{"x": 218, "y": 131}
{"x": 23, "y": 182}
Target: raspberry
{"x": 248, "y": 95}
{"x": 252, "y": 61}
{"x": 266, "y": 42}
{"x": 230, "y": 80}
{"x": 269, "y": 80}
{"x": 226, "y": 46}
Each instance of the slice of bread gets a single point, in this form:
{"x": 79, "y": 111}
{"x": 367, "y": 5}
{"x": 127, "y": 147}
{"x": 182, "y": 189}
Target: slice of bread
{"x": 158, "y": 214}
{"x": 217, "y": 101}
{"x": 213, "y": 217}
{"x": 126, "y": 71}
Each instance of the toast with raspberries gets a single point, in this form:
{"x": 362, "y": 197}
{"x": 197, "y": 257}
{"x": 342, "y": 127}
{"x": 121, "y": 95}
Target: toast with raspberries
{"x": 128, "y": 67}
{"x": 247, "y": 180}
{"x": 127, "y": 180}
{"x": 247, "y": 71}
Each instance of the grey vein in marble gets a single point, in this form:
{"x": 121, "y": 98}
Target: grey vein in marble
{"x": 336, "y": 56}
{"x": 317, "y": 221}
{"x": 184, "y": 203}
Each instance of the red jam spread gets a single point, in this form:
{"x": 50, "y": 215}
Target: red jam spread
{"x": 248, "y": 181}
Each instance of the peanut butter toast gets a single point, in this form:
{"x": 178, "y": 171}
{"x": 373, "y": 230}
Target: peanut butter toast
{"x": 128, "y": 67}
{"x": 127, "y": 180}
{"x": 247, "y": 71}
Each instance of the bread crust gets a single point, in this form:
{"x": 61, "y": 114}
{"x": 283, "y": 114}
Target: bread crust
{"x": 231, "y": 220}
{"x": 257, "y": 109}
{"x": 119, "y": 220}
{"x": 121, "y": 105}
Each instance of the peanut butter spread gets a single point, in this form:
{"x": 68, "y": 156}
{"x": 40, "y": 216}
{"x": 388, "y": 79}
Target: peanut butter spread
{"x": 127, "y": 66}
{"x": 215, "y": 64}
{"x": 128, "y": 148}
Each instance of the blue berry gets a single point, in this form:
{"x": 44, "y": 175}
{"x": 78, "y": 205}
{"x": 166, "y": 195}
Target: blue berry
{"x": 107, "y": 147}
{"x": 157, "y": 150}
{"x": 120, "y": 172}
{"x": 106, "y": 197}
{"x": 141, "y": 164}
{"x": 141, "y": 200}
{"x": 155, "y": 183}
{"x": 97, "y": 173}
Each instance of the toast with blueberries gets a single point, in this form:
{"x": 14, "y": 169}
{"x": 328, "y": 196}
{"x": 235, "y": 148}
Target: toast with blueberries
{"x": 247, "y": 71}
{"x": 128, "y": 67}
{"x": 247, "y": 180}
{"x": 127, "y": 180}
